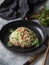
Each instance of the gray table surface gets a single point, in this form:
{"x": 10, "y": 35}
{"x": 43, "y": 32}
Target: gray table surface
{"x": 7, "y": 57}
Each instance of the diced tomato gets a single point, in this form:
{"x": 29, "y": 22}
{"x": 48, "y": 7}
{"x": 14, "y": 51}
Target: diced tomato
{"x": 22, "y": 38}
{"x": 18, "y": 30}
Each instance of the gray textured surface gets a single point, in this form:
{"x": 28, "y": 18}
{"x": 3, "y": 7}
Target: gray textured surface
{"x": 9, "y": 58}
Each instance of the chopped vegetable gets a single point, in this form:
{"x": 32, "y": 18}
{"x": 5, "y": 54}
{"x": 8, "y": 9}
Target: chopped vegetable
{"x": 35, "y": 42}
{"x": 11, "y": 30}
{"x": 9, "y": 44}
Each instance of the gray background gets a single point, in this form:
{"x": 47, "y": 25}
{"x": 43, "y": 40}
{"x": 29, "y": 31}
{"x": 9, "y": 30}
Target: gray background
{"x": 9, "y": 58}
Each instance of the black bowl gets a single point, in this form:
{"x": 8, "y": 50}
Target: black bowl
{"x": 37, "y": 28}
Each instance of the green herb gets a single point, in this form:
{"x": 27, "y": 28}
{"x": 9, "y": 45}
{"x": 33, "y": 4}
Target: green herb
{"x": 37, "y": 17}
{"x": 9, "y": 44}
{"x": 43, "y": 22}
{"x": 16, "y": 38}
{"x": 43, "y": 16}
{"x": 11, "y": 30}
{"x": 18, "y": 35}
{"x": 35, "y": 42}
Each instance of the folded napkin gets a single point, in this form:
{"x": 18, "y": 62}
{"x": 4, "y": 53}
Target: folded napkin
{"x": 12, "y": 9}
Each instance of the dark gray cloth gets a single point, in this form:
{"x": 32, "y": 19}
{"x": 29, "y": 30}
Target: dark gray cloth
{"x": 12, "y": 9}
